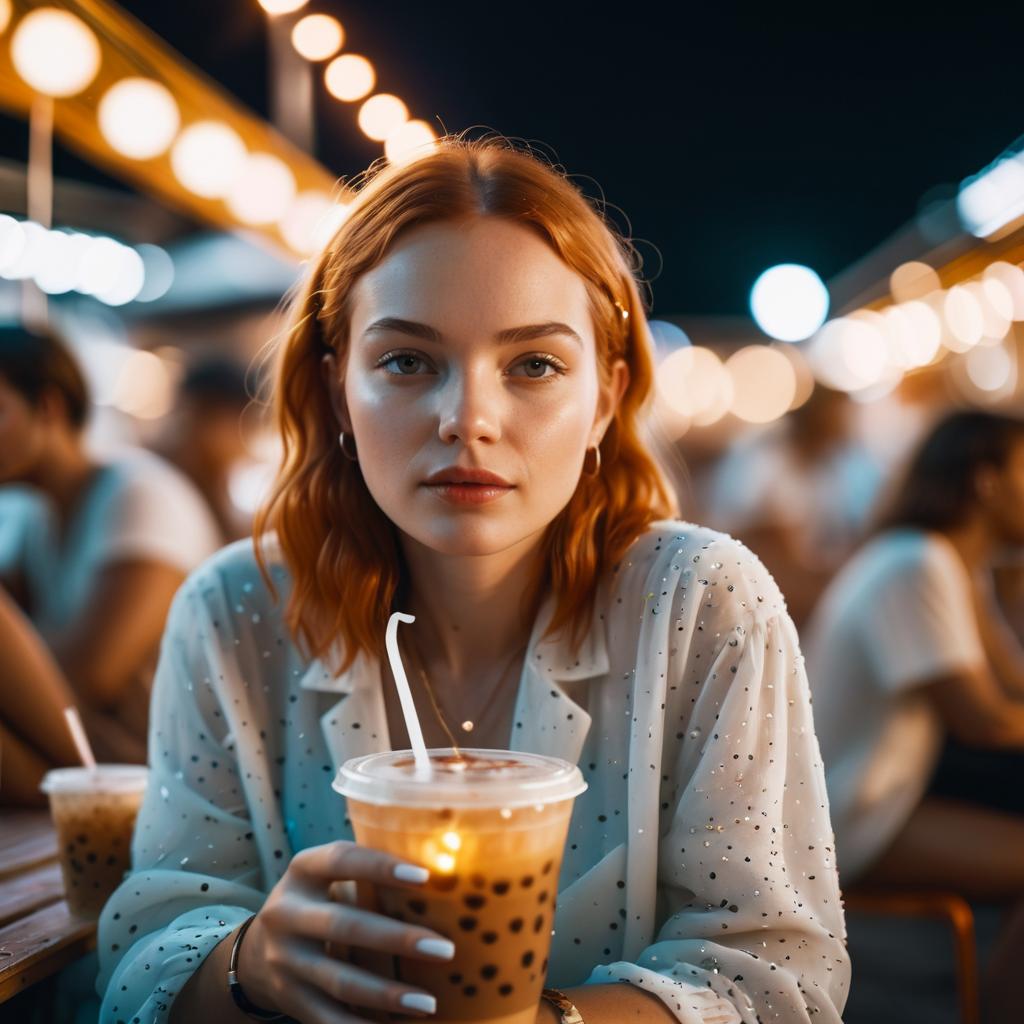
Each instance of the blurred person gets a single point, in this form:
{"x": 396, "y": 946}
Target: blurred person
{"x": 798, "y": 493}
{"x": 461, "y": 394}
{"x": 205, "y": 435}
{"x": 918, "y": 686}
{"x": 91, "y": 549}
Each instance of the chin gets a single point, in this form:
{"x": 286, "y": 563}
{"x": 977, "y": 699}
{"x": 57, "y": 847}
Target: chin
{"x": 460, "y": 536}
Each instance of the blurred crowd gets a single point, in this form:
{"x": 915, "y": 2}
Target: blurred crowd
{"x": 895, "y": 529}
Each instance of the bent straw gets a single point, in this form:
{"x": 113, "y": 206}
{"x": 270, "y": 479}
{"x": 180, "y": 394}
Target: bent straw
{"x": 412, "y": 722}
{"x": 80, "y": 739}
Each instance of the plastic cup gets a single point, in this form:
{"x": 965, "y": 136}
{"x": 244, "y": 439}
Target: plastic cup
{"x": 491, "y": 829}
{"x": 94, "y": 811}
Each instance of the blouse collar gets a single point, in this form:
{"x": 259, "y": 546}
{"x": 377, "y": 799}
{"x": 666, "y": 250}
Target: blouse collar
{"x": 546, "y": 721}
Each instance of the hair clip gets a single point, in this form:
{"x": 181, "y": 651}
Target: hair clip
{"x": 622, "y": 310}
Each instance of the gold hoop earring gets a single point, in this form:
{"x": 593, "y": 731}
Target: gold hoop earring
{"x": 354, "y": 457}
{"x": 592, "y": 467}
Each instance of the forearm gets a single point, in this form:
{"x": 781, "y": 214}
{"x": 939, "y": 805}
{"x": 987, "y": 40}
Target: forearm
{"x": 205, "y": 995}
{"x": 611, "y": 1004}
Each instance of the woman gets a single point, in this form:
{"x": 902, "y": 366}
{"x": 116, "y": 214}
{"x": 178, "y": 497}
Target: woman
{"x": 91, "y": 549}
{"x": 908, "y": 650}
{"x": 474, "y": 316}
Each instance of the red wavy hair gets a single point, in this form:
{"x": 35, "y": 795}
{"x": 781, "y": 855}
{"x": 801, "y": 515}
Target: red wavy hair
{"x": 342, "y": 552}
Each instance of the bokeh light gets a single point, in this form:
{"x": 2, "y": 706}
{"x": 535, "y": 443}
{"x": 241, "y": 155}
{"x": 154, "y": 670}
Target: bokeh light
{"x": 850, "y": 354}
{"x": 56, "y": 53}
{"x": 159, "y": 268}
{"x": 207, "y": 157}
{"x": 12, "y": 242}
{"x": 964, "y": 319}
{"x": 913, "y": 280}
{"x": 30, "y": 255}
{"x": 380, "y": 115}
{"x": 789, "y": 302}
{"x": 262, "y": 191}
{"x": 282, "y": 6}
{"x": 317, "y": 36}
{"x": 694, "y": 382}
{"x": 994, "y": 198}
{"x": 349, "y": 77}
{"x": 139, "y": 118}
{"x": 763, "y": 384}
{"x": 5, "y": 14}
{"x": 303, "y": 225}
{"x": 989, "y": 367}
{"x": 143, "y": 387}
{"x": 1011, "y": 277}
{"x": 410, "y": 141}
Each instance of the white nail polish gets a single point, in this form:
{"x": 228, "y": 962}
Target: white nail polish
{"x": 411, "y": 873}
{"x": 442, "y": 948}
{"x": 419, "y": 1001}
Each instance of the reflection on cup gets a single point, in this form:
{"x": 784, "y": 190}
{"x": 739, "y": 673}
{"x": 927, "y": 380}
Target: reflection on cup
{"x": 491, "y": 828}
{"x": 94, "y": 813}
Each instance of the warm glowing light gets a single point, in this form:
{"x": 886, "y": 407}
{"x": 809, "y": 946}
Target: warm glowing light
{"x": 913, "y": 280}
{"x": 467, "y": 725}
{"x": 54, "y": 52}
{"x": 964, "y": 318}
{"x": 763, "y": 384}
{"x": 306, "y": 225}
{"x": 380, "y": 115}
{"x": 5, "y": 14}
{"x": 207, "y": 158}
{"x": 445, "y": 861}
{"x": 801, "y": 372}
{"x": 12, "y": 242}
{"x": 989, "y": 367}
{"x": 920, "y": 334}
{"x": 693, "y": 382}
{"x": 506, "y": 813}
{"x": 850, "y": 353}
{"x": 452, "y": 840}
{"x": 1011, "y": 277}
{"x": 996, "y": 304}
{"x": 139, "y": 118}
{"x": 144, "y": 388}
{"x": 30, "y": 255}
{"x": 789, "y": 302}
{"x": 318, "y": 36}
{"x": 282, "y": 6}
{"x": 263, "y": 190}
{"x": 409, "y": 141}
{"x": 349, "y": 77}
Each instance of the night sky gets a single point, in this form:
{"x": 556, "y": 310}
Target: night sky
{"x": 730, "y": 141}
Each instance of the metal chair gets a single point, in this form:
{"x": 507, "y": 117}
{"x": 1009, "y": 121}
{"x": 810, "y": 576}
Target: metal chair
{"x": 936, "y": 905}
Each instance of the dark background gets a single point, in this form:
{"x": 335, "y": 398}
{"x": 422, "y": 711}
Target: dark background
{"x": 730, "y": 141}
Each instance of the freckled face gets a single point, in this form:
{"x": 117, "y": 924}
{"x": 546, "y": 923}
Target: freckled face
{"x": 525, "y": 410}
{"x": 22, "y": 433}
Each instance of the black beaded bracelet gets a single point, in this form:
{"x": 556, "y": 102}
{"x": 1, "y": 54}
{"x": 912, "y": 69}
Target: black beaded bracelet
{"x": 235, "y": 988}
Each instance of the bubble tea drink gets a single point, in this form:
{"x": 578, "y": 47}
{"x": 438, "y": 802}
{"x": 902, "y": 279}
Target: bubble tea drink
{"x": 491, "y": 826}
{"x": 94, "y": 812}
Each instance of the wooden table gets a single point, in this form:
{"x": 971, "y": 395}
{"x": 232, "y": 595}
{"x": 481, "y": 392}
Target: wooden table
{"x": 38, "y": 934}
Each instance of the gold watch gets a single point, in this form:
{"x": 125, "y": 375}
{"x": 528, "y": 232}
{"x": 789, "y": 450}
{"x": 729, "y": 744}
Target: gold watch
{"x": 561, "y": 1002}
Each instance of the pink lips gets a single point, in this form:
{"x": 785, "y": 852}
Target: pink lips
{"x": 468, "y": 486}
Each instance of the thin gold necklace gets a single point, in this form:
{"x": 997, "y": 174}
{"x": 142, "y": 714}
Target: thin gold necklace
{"x": 467, "y": 726}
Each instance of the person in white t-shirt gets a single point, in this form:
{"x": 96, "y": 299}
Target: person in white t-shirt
{"x": 92, "y": 551}
{"x": 907, "y": 652}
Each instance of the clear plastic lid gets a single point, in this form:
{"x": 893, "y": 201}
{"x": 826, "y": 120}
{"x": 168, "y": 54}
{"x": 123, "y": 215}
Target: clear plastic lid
{"x": 483, "y": 778}
{"x": 104, "y": 778}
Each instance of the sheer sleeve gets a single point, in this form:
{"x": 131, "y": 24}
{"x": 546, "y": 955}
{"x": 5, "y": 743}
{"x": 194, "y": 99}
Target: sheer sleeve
{"x": 196, "y": 866}
{"x": 750, "y": 923}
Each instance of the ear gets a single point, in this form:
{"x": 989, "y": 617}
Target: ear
{"x": 609, "y": 399}
{"x": 335, "y": 385}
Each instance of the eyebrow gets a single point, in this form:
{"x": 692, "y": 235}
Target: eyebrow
{"x": 509, "y": 336}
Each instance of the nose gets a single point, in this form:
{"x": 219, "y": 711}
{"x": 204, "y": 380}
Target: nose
{"x": 470, "y": 408}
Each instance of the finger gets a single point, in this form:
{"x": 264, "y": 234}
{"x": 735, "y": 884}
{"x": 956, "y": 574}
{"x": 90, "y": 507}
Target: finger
{"x": 348, "y": 983}
{"x": 311, "y": 1006}
{"x": 343, "y": 859}
{"x": 346, "y": 925}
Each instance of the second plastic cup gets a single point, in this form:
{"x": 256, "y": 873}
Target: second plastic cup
{"x": 94, "y": 811}
{"x": 491, "y": 828}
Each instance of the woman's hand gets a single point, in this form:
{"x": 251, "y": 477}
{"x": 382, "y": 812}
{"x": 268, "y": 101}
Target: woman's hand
{"x": 283, "y": 963}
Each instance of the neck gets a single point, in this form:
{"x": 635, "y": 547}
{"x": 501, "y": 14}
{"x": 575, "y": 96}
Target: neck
{"x": 63, "y": 471}
{"x": 467, "y": 608}
{"x": 973, "y": 543}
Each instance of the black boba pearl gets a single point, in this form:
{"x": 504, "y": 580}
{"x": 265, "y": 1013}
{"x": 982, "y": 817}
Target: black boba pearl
{"x": 488, "y": 971}
{"x": 538, "y": 922}
{"x": 489, "y": 937}
{"x": 542, "y": 896}
{"x": 455, "y": 979}
{"x": 505, "y": 989}
{"x": 547, "y": 867}
{"x": 478, "y": 881}
{"x": 528, "y": 958}
{"x": 469, "y": 990}
{"x": 446, "y": 882}
{"x": 526, "y": 881}
{"x": 417, "y": 906}
{"x": 474, "y": 902}
{"x": 467, "y": 924}
{"x": 500, "y": 888}
{"x": 516, "y": 924}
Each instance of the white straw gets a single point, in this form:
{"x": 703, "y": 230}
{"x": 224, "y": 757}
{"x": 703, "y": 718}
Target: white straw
{"x": 78, "y": 735}
{"x": 412, "y": 722}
